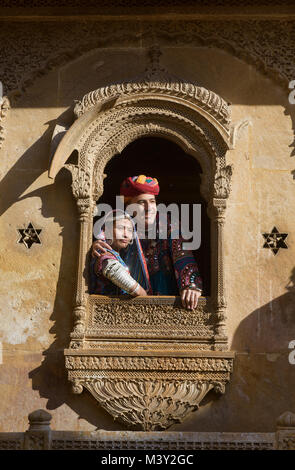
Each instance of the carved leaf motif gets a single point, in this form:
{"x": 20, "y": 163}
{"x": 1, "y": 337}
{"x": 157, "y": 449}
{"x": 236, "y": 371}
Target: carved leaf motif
{"x": 81, "y": 182}
{"x": 151, "y": 405}
{"x": 222, "y": 182}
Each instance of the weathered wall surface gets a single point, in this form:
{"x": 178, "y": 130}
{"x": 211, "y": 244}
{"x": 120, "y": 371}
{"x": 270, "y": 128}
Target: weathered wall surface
{"x": 38, "y": 284}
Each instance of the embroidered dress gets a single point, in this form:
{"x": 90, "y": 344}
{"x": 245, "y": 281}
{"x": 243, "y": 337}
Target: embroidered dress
{"x": 170, "y": 267}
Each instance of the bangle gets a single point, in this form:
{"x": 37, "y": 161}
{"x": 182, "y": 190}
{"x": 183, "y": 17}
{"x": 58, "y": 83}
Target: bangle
{"x": 134, "y": 290}
{"x": 194, "y": 287}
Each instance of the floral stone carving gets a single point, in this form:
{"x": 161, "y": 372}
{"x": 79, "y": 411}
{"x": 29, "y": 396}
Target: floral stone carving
{"x": 148, "y": 393}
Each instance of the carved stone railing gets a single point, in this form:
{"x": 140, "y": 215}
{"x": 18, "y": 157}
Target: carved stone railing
{"x": 39, "y": 436}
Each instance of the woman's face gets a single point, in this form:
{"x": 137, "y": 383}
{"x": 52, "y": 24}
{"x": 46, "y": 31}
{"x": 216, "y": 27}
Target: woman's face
{"x": 122, "y": 234}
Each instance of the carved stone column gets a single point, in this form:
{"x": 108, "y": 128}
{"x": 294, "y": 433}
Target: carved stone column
{"x": 81, "y": 191}
{"x": 217, "y": 207}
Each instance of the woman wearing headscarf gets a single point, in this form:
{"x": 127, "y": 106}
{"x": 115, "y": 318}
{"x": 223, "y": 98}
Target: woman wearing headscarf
{"x": 110, "y": 274}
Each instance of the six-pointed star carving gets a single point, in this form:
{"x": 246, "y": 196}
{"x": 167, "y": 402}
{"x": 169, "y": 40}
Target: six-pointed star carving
{"x": 29, "y": 235}
{"x": 275, "y": 240}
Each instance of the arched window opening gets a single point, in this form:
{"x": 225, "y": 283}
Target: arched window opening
{"x": 179, "y": 176}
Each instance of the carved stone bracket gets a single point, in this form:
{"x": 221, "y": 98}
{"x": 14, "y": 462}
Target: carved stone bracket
{"x": 148, "y": 392}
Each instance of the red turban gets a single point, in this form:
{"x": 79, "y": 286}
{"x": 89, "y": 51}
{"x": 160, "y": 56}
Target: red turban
{"x": 135, "y": 185}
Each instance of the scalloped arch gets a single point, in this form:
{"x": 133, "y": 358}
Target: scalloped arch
{"x": 97, "y": 125}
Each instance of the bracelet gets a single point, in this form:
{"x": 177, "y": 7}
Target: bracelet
{"x": 134, "y": 290}
{"x": 193, "y": 287}
{"x": 118, "y": 275}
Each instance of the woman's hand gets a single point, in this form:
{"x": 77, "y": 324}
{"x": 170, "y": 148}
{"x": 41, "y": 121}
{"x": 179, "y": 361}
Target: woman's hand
{"x": 189, "y": 298}
{"x": 141, "y": 291}
{"x": 101, "y": 246}
{"x": 137, "y": 290}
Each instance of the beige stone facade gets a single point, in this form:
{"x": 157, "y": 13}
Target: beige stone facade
{"x": 244, "y": 57}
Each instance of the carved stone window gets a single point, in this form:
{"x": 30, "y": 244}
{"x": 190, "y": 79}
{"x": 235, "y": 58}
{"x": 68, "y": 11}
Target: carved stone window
{"x": 148, "y": 361}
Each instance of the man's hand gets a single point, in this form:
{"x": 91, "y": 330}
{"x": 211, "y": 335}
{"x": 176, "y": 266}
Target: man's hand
{"x": 99, "y": 245}
{"x": 189, "y": 298}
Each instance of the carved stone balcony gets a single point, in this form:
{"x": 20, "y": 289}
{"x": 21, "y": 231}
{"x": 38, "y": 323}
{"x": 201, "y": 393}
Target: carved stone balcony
{"x": 148, "y": 361}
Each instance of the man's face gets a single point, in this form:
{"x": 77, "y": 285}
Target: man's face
{"x": 146, "y": 208}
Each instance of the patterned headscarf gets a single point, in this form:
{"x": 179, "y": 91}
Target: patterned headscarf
{"x": 134, "y": 257}
{"x": 135, "y": 185}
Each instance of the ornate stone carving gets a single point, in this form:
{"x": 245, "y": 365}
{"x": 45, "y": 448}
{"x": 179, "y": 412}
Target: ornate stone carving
{"x": 38, "y": 435}
{"x": 79, "y": 318}
{"x": 149, "y": 313}
{"x": 81, "y": 182}
{"x": 275, "y": 240}
{"x": 157, "y": 80}
{"x": 39, "y": 420}
{"x": 286, "y": 420}
{"x": 148, "y": 392}
{"x": 222, "y": 182}
{"x": 149, "y": 405}
{"x": 22, "y": 61}
{"x": 153, "y": 388}
{"x": 115, "y": 4}
{"x": 146, "y": 363}
{"x": 29, "y": 235}
{"x": 11, "y": 444}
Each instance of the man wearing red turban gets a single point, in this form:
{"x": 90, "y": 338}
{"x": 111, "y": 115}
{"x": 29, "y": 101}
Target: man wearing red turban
{"x": 135, "y": 185}
{"x": 171, "y": 269}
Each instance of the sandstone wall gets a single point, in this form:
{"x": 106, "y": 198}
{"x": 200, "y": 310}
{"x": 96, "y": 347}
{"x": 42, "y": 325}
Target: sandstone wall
{"x": 38, "y": 284}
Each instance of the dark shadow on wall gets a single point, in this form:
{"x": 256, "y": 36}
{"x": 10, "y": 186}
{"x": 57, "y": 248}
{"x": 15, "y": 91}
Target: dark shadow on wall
{"x": 271, "y": 327}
